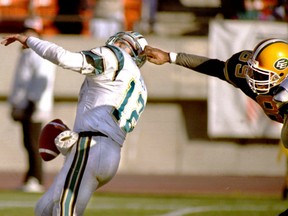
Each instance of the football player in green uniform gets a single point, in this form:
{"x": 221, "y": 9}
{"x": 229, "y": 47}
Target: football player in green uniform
{"x": 259, "y": 73}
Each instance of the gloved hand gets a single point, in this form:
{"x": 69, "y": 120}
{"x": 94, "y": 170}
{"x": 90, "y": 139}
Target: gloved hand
{"x": 18, "y": 114}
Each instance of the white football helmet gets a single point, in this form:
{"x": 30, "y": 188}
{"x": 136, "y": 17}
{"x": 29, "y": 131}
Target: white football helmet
{"x": 134, "y": 41}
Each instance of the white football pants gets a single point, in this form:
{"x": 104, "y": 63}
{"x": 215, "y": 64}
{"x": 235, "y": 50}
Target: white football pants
{"x": 92, "y": 162}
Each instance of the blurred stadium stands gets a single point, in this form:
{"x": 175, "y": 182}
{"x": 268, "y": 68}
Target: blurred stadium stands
{"x": 13, "y": 13}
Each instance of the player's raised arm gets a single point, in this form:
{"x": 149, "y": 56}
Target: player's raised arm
{"x": 7, "y": 40}
{"x": 52, "y": 52}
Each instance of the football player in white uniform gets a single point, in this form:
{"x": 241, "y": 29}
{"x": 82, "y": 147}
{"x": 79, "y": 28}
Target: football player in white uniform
{"x": 111, "y": 100}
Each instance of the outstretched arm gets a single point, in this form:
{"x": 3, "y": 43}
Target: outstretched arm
{"x": 52, "y": 52}
{"x": 159, "y": 57}
{"x": 16, "y": 37}
{"x": 201, "y": 64}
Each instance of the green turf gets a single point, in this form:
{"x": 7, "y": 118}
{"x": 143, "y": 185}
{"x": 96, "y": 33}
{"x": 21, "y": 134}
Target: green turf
{"x": 103, "y": 204}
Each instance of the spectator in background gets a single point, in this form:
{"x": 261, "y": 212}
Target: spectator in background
{"x": 132, "y": 13}
{"x": 273, "y": 10}
{"x": 261, "y": 10}
{"x": 31, "y": 101}
{"x": 281, "y": 10}
{"x": 149, "y": 12}
{"x": 108, "y": 18}
{"x": 230, "y": 9}
{"x": 68, "y": 20}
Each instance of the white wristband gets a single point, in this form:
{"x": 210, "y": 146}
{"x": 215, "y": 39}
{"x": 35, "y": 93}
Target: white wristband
{"x": 173, "y": 57}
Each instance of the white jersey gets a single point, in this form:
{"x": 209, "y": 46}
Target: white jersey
{"x": 113, "y": 94}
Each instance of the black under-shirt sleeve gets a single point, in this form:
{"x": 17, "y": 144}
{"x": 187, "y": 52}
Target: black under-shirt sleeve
{"x": 204, "y": 65}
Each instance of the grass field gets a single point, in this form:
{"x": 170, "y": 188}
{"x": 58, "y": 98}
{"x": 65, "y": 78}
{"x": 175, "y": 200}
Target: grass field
{"x": 104, "y": 204}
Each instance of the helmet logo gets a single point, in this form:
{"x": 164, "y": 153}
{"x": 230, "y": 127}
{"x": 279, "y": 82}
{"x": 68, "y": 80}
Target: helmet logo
{"x": 281, "y": 64}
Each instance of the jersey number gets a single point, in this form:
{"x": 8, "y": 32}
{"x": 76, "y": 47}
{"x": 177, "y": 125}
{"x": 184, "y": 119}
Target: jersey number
{"x": 241, "y": 69}
{"x": 269, "y": 107}
{"x": 132, "y": 109}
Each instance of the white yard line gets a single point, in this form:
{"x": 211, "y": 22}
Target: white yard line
{"x": 181, "y": 212}
{"x": 15, "y": 204}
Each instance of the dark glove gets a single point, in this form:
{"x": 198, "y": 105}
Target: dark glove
{"x": 23, "y": 114}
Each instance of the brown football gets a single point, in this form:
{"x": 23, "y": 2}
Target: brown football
{"x": 47, "y": 148}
